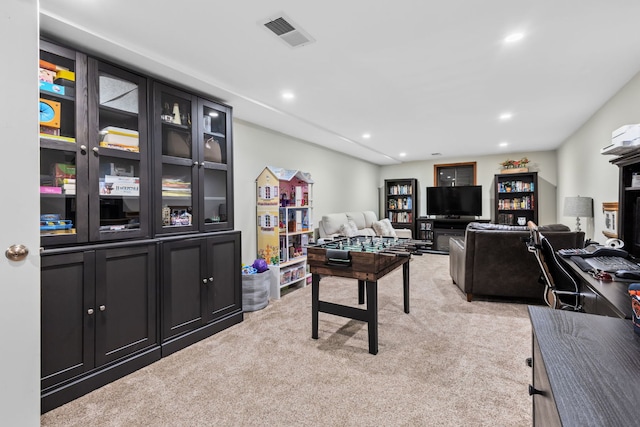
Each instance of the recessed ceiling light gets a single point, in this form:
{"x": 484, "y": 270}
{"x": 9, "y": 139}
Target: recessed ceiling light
{"x": 288, "y": 95}
{"x": 506, "y": 116}
{"x": 366, "y": 135}
{"x": 503, "y": 144}
{"x": 403, "y": 154}
{"x": 512, "y": 38}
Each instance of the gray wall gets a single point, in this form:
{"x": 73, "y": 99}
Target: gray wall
{"x": 583, "y": 170}
{"x": 544, "y": 162}
{"x": 342, "y": 183}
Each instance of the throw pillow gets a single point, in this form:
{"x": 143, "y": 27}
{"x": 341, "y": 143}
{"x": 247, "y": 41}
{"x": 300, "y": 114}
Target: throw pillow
{"x": 349, "y": 229}
{"x": 384, "y": 228}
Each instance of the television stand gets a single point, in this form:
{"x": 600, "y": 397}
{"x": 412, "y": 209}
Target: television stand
{"x": 437, "y": 231}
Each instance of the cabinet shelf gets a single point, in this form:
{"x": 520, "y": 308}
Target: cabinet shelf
{"x": 104, "y": 109}
{"x": 183, "y": 128}
{"x": 50, "y": 142}
{"x": 56, "y": 96}
{"x": 216, "y": 134}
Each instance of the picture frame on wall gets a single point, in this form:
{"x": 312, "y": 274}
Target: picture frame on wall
{"x": 610, "y": 211}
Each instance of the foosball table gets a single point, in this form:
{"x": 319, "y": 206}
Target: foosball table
{"x": 366, "y": 259}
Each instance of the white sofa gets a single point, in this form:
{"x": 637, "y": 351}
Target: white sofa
{"x": 366, "y": 223}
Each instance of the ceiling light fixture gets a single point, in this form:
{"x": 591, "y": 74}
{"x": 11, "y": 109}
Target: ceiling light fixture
{"x": 506, "y": 116}
{"x": 503, "y": 144}
{"x": 512, "y": 38}
{"x": 403, "y": 154}
{"x": 288, "y": 95}
{"x": 366, "y": 135}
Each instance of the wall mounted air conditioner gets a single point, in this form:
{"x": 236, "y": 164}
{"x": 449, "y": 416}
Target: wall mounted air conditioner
{"x": 623, "y": 140}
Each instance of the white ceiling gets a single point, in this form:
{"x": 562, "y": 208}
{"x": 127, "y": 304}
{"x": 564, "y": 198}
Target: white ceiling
{"x": 420, "y": 76}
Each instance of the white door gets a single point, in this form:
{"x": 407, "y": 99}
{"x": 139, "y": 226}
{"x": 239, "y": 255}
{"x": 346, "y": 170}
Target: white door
{"x": 19, "y": 215}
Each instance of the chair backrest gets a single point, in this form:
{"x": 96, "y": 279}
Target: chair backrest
{"x": 561, "y": 288}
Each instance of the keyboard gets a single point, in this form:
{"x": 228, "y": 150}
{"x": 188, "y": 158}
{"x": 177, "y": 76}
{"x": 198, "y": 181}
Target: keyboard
{"x": 572, "y": 252}
{"x": 611, "y": 264}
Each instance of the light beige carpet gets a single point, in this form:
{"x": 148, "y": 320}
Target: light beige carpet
{"x": 447, "y": 363}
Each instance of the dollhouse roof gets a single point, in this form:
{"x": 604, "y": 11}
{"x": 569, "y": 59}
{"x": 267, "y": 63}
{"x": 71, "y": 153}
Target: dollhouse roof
{"x": 288, "y": 174}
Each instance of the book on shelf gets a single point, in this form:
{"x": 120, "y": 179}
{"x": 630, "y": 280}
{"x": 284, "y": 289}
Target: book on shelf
{"x": 44, "y": 136}
{"x": 50, "y": 190}
{"x": 120, "y": 185}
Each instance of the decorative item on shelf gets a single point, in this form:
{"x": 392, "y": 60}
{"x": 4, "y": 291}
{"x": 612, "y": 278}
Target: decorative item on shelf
{"x": 610, "y": 211}
{"x": 515, "y": 166}
{"x": 176, "y": 114}
{"x": 578, "y": 207}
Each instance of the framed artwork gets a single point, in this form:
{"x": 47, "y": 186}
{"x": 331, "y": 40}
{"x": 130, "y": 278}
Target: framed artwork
{"x": 610, "y": 210}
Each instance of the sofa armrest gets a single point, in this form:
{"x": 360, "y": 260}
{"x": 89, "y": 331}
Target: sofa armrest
{"x": 457, "y": 261}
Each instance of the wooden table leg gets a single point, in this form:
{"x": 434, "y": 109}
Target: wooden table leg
{"x": 315, "y": 297}
{"x": 405, "y": 285}
{"x": 372, "y": 315}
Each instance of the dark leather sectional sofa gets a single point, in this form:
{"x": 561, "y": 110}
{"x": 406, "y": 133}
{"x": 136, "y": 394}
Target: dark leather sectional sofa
{"x": 492, "y": 260}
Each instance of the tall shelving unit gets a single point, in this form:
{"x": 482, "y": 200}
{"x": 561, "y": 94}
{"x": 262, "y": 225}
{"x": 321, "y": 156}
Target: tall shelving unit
{"x": 285, "y": 225}
{"x": 516, "y": 198}
{"x": 401, "y": 203}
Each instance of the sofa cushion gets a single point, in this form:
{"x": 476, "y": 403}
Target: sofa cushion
{"x": 384, "y": 228}
{"x": 369, "y": 218}
{"x": 332, "y": 222}
{"x": 358, "y": 218}
{"x": 348, "y": 229}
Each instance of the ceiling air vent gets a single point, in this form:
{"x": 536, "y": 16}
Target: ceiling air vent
{"x": 287, "y": 31}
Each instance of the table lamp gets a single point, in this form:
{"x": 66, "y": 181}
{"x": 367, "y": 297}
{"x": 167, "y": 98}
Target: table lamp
{"x": 578, "y": 207}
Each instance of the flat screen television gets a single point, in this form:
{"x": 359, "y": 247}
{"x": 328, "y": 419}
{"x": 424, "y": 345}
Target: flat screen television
{"x": 462, "y": 200}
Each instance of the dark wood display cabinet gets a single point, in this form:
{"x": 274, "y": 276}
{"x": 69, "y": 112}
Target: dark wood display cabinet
{"x": 131, "y": 171}
{"x": 193, "y": 173}
{"x": 401, "y": 202}
{"x": 99, "y": 317}
{"x": 629, "y": 201}
{"x": 94, "y": 176}
{"x": 516, "y": 198}
{"x": 202, "y": 288}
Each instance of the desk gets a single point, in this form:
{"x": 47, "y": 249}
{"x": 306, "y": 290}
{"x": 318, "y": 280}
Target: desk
{"x": 599, "y": 297}
{"x": 586, "y": 369}
{"x": 365, "y": 266}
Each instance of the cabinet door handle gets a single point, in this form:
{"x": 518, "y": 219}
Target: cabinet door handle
{"x": 195, "y": 163}
{"x": 103, "y": 308}
{"x": 211, "y": 279}
{"x": 95, "y": 149}
{"x": 204, "y": 280}
{"x": 83, "y": 148}
{"x": 90, "y": 311}
{"x": 533, "y": 390}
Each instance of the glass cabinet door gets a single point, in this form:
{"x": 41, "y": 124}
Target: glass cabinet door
{"x": 214, "y": 148}
{"x": 177, "y": 164}
{"x": 118, "y": 152}
{"x": 62, "y": 170}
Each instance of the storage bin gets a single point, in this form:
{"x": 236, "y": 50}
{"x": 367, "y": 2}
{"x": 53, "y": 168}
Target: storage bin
{"x": 255, "y": 291}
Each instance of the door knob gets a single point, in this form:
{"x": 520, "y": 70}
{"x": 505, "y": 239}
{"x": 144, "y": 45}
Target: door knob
{"x": 90, "y": 311}
{"x": 16, "y": 252}
{"x": 103, "y": 308}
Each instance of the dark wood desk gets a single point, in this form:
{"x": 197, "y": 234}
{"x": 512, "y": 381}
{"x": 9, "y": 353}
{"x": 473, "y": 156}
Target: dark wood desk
{"x": 599, "y": 297}
{"x": 586, "y": 369}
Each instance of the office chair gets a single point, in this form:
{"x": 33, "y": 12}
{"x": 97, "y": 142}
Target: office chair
{"x": 561, "y": 288}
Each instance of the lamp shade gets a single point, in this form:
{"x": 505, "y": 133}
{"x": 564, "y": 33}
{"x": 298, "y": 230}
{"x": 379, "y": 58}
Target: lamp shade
{"x": 578, "y": 207}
